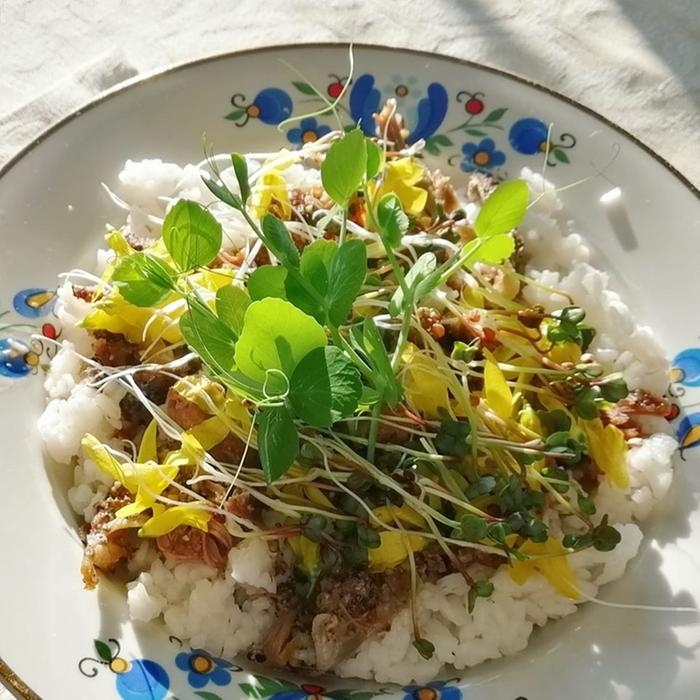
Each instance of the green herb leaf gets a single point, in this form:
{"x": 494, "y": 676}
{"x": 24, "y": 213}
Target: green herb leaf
{"x": 576, "y": 541}
{"x": 605, "y": 537}
{"x": 392, "y": 221}
{"x": 346, "y": 383}
{"x": 346, "y": 274}
{"x": 191, "y": 235}
{"x": 474, "y": 528}
{"x": 586, "y": 505}
{"x": 586, "y": 402}
{"x": 208, "y": 336}
{"x": 424, "y": 647}
{"x": 375, "y": 350}
{"x": 279, "y": 241}
{"x": 278, "y": 441}
{"x": 614, "y": 389}
{"x": 375, "y": 158}
{"x": 493, "y": 250}
{"x": 480, "y": 589}
{"x": 314, "y": 268}
{"x": 453, "y": 437}
{"x": 240, "y": 167}
{"x": 503, "y": 210}
{"x": 310, "y": 389}
{"x": 231, "y": 305}
{"x": 143, "y": 280}
{"x": 344, "y": 167}
{"x": 554, "y": 421}
{"x": 268, "y": 281}
{"x": 276, "y": 335}
{"x": 419, "y": 272}
{"x": 220, "y": 191}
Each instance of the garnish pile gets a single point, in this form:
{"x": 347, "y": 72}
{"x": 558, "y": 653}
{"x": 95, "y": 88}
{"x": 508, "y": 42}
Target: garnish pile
{"x": 361, "y": 384}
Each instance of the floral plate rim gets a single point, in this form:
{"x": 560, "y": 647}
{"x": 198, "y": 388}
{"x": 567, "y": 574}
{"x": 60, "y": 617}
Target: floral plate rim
{"x": 7, "y": 676}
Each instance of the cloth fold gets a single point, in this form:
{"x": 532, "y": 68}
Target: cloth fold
{"x": 23, "y": 124}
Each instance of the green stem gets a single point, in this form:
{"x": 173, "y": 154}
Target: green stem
{"x": 342, "y": 343}
{"x": 373, "y": 431}
{"x": 343, "y": 226}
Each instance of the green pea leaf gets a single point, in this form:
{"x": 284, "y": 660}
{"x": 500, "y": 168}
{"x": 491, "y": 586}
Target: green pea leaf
{"x": 143, "y": 280}
{"x": 276, "y": 336}
{"x": 344, "y": 167}
{"x": 392, "y": 221}
{"x": 231, "y": 305}
{"x": 370, "y": 342}
{"x": 220, "y": 191}
{"x": 503, "y": 210}
{"x": 586, "y": 402}
{"x": 346, "y": 273}
{"x": 267, "y": 281}
{"x": 191, "y": 235}
{"x": 278, "y": 441}
{"x": 314, "y": 268}
{"x": 208, "y": 336}
{"x": 493, "y": 250}
{"x": 419, "y": 272}
{"x": 324, "y": 387}
{"x": 240, "y": 167}
{"x": 279, "y": 241}
{"x": 375, "y": 159}
{"x": 474, "y": 528}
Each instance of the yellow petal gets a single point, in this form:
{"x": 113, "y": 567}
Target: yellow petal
{"x": 425, "y": 387}
{"x": 210, "y": 432}
{"x": 191, "y": 452}
{"x": 608, "y": 448}
{"x": 392, "y": 549}
{"x": 315, "y": 495}
{"x": 104, "y": 459}
{"x": 148, "y": 450}
{"x": 556, "y": 569}
{"x": 202, "y": 391}
{"x": 118, "y": 243}
{"x": 566, "y": 352}
{"x": 270, "y": 189}
{"x": 167, "y": 520}
{"x": 308, "y": 553}
{"x": 496, "y": 390}
{"x": 389, "y": 514}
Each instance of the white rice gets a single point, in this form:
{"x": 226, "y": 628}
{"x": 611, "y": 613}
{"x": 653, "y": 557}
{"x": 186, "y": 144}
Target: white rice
{"x": 227, "y": 615}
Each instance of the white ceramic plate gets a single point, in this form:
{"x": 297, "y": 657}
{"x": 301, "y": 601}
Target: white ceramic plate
{"x": 52, "y": 213}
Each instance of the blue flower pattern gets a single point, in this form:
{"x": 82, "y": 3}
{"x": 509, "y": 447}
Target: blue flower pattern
{"x": 202, "y": 668}
{"x": 481, "y": 156}
{"x": 437, "y": 690}
{"x": 308, "y": 130}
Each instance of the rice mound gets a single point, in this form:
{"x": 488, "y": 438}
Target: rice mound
{"x": 227, "y": 615}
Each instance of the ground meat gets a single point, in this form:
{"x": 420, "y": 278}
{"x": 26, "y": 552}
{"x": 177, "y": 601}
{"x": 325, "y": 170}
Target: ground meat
{"x": 84, "y": 293}
{"x": 187, "y": 414}
{"x": 190, "y": 544}
{"x": 480, "y": 187}
{"x": 114, "y": 350}
{"x": 135, "y": 417}
{"x": 638, "y": 403}
{"x": 243, "y": 505}
{"x": 108, "y": 540}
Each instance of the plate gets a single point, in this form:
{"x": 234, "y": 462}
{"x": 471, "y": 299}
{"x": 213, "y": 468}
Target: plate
{"x": 58, "y": 641}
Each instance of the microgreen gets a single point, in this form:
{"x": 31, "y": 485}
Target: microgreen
{"x": 346, "y": 273}
{"x": 231, "y": 305}
{"x": 278, "y": 441}
{"x": 568, "y": 327}
{"x": 345, "y": 167}
{"x": 503, "y": 209}
{"x": 479, "y": 589}
{"x": 279, "y": 241}
{"x": 424, "y": 647}
{"x": 375, "y": 159}
{"x": 473, "y": 528}
{"x": 191, "y": 235}
{"x": 418, "y": 273}
{"x": 391, "y": 219}
{"x": 268, "y": 281}
{"x": 453, "y": 437}
{"x": 144, "y": 280}
{"x": 240, "y": 168}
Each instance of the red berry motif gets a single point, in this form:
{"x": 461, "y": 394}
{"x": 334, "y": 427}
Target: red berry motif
{"x": 48, "y": 330}
{"x": 474, "y": 106}
{"x": 334, "y": 89}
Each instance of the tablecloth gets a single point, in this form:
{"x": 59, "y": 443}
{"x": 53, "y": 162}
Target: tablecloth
{"x": 637, "y": 62}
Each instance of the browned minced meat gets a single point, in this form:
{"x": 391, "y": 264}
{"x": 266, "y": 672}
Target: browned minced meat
{"x": 638, "y": 403}
{"x": 190, "y": 544}
{"x": 432, "y": 563}
{"x": 114, "y": 349}
{"x": 187, "y": 414}
{"x": 108, "y": 540}
{"x": 84, "y": 293}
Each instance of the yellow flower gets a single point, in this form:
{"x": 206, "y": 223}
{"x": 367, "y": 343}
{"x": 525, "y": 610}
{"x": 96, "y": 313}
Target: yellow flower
{"x": 307, "y": 552}
{"x": 271, "y": 189}
{"x": 608, "y": 448}
{"x": 400, "y": 177}
{"x": 496, "y": 390}
{"x": 393, "y": 549}
{"x": 425, "y": 386}
{"x": 165, "y": 520}
{"x": 556, "y": 569}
